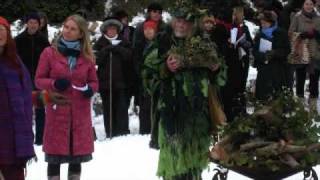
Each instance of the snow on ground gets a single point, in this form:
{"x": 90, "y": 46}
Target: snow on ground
{"x": 124, "y": 158}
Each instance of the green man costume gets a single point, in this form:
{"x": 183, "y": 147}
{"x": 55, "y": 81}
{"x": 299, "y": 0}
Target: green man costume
{"x": 180, "y": 102}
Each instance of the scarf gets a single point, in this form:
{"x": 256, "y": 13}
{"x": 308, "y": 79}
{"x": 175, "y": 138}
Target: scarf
{"x": 70, "y": 49}
{"x": 111, "y": 39}
{"x": 309, "y": 15}
{"x": 268, "y": 32}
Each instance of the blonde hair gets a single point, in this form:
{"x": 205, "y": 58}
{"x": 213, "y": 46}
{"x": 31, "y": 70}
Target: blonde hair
{"x": 86, "y": 48}
{"x": 238, "y": 12}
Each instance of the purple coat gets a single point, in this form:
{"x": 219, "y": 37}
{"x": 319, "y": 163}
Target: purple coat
{"x": 16, "y": 136}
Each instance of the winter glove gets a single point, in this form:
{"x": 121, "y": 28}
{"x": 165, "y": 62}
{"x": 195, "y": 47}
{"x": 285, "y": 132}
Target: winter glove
{"x": 61, "y": 84}
{"x": 57, "y": 98}
{"x": 88, "y": 93}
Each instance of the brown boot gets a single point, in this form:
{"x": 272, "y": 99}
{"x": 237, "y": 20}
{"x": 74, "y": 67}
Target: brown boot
{"x": 74, "y": 177}
{"x": 53, "y": 177}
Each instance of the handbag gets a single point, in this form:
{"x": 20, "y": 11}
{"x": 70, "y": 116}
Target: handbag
{"x": 217, "y": 115}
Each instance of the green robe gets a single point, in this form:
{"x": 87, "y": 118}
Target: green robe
{"x": 182, "y": 106}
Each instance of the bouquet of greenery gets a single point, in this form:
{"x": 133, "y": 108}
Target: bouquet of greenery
{"x": 280, "y": 134}
{"x": 196, "y": 52}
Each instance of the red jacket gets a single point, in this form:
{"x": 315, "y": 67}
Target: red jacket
{"x": 73, "y": 119}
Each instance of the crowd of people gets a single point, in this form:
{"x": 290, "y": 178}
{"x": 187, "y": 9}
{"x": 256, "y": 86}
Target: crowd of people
{"x": 181, "y": 93}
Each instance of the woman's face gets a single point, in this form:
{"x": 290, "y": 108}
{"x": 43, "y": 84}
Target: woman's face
{"x": 308, "y": 6}
{"x": 149, "y": 33}
{"x": 208, "y": 26}
{"x": 111, "y": 31}
{"x": 155, "y": 15}
{"x": 265, "y": 24}
{"x": 3, "y": 36}
{"x": 71, "y": 31}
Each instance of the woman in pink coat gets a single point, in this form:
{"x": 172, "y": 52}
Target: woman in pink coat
{"x": 67, "y": 67}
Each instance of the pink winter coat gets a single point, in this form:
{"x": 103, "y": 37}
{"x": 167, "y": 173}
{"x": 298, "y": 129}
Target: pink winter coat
{"x": 65, "y": 120}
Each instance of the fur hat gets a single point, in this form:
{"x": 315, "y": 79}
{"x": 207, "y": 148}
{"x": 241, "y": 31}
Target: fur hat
{"x": 110, "y": 21}
{"x": 32, "y": 15}
{"x": 4, "y": 22}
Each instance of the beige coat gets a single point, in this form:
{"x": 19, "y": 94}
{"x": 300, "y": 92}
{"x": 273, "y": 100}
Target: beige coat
{"x": 300, "y": 23}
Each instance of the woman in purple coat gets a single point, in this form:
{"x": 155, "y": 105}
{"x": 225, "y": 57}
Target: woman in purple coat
{"x": 16, "y": 136}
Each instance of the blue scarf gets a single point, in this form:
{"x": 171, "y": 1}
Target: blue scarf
{"x": 269, "y": 31}
{"x": 70, "y": 49}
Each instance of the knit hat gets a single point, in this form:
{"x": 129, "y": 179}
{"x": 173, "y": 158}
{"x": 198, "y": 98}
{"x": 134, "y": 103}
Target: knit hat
{"x": 155, "y": 6}
{"x": 268, "y": 16}
{"x": 32, "y": 15}
{"x": 110, "y": 21}
{"x": 4, "y": 22}
{"x": 150, "y": 24}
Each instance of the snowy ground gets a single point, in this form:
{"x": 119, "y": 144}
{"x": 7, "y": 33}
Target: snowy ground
{"x": 121, "y": 158}
{"x": 124, "y": 158}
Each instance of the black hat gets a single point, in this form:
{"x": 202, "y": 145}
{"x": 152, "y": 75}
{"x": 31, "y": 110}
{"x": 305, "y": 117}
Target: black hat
{"x": 155, "y": 6}
{"x": 120, "y": 14}
{"x": 32, "y": 15}
{"x": 110, "y": 21}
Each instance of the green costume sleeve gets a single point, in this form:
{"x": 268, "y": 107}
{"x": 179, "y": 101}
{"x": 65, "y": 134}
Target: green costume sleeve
{"x": 154, "y": 69}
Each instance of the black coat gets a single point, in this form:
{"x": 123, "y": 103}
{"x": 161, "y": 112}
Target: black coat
{"x": 122, "y": 66}
{"x": 273, "y": 71}
{"x": 237, "y": 73}
{"x": 29, "y": 48}
{"x": 130, "y": 34}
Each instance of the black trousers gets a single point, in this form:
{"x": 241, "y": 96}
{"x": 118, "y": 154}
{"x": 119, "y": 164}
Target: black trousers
{"x": 40, "y": 121}
{"x": 145, "y": 114}
{"x": 120, "y": 116}
{"x": 301, "y": 74}
{"x": 54, "y": 169}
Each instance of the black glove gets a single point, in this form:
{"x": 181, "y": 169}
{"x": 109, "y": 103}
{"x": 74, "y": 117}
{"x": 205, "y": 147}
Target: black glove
{"x": 88, "y": 93}
{"x": 61, "y": 84}
{"x": 269, "y": 55}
